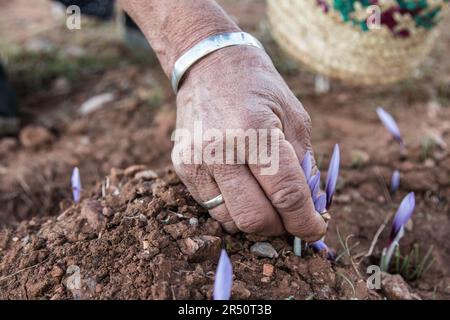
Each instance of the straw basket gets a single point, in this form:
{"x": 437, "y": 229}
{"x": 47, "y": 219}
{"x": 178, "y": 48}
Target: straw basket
{"x": 339, "y": 50}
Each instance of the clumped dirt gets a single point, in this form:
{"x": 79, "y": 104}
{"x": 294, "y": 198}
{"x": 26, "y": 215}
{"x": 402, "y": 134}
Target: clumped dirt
{"x": 138, "y": 242}
{"x": 132, "y": 235}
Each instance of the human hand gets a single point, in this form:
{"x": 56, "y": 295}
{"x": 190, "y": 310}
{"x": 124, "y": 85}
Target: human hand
{"x": 239, "y": 88}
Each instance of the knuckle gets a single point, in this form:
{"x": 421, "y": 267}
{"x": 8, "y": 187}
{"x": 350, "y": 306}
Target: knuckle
{"x": 289, "y": 197}
{"x": 249, "y": 223}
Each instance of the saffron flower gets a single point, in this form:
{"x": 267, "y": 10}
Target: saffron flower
{"x": 319, "y": 246}
{"x": 224, "y": 278}
{"x": 390, "y": 125}
{"x": 402, "y": 216}
{"x": 322, "y": 201}
{"x": 332, "y": 176}
{"x": 395, "y": 181}
{"x": 76, "y": 185}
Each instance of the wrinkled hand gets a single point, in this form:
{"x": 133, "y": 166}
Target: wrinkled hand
{"x": 239, "y": 88}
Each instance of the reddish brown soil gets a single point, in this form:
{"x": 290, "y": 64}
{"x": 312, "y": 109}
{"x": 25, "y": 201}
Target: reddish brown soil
{"x": 43, "y": 233}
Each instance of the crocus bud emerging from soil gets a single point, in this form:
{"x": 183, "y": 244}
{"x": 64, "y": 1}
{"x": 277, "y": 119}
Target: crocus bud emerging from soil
{"x": 321, "y": 246}
{"x": 390, "y": 124}
{"x": 402, "y": 216}
{"x": 224, "y": 278}
{"x": 76, "y": 185}
{"x": 332, "y": 176}
{"x": 395, "y": 181}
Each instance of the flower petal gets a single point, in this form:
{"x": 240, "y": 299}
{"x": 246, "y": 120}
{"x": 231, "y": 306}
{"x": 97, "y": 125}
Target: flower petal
{"x": 321, "y": 246}
{"x": 390, "y": 124}
{"x": 320, "y": 203}
{"x": 224, "y": 278}
{"x": 314, "y": 184}
{"x": 307, "y": 165}
{"x": 403, "y": 214}
{"x": 332, "y": 175}
{"x": 395, "y": 181}
{"x": 76, "y": 185}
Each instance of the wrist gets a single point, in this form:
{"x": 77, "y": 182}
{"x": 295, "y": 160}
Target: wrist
{"x": 183, "y": 41}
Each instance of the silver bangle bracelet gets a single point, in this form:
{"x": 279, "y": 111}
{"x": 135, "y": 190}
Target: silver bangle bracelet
{"x": 206, "y": 47}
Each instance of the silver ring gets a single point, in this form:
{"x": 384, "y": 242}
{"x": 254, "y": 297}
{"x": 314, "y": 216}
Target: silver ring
{"x": 213, "y": 203}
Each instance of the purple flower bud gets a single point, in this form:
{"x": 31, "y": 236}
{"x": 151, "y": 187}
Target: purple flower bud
{"x": 402, "y": 216}
{"x": 76, "y": 185}
{"x": 395, "y": 181}
{"x": 332, "y": 175}
{"x": 307, "y": 165}
{"x": 320, "y": 203}
{"x": 314, "y": 184}
{"x": 321, "y": 246}
{"x": 224, "y": 278}
{"x": 390, "y": 124}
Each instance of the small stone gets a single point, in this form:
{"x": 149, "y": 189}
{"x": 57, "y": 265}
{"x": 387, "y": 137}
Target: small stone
{"x": 92, "y": 211}
{"x": 73, "y": 281}
{"x": 268, "y": 270}
{"x": 343, "y": 198}
{"x": 239, "y": 291}
{"x": 201, "y": 248}
{"x": 429, "y": 163}
{"x": 359, "y": 158}
{"x": 264, "y": 250}
{"x": 265, "y": 279}
{"x": 132, "y": 170}
{"x": 34, "y": 136}
{"x": 395, "y": 288}
{"x": 15, "y": 239}
{"x": 176, "y": 230}
{"x": 146, "y": 175}
{"x": 145, "y": 244}
{"x": 193, "y": 222}
{"x": 57, "y": 272}
{"x": 107, "y": 212}
{"x": 98, "y": 288}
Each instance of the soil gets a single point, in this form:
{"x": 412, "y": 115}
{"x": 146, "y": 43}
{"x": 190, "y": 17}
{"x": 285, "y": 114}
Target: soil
{"x": 132, "y": 236}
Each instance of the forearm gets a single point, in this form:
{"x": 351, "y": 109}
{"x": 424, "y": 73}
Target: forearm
{"x": 173, "y": 26}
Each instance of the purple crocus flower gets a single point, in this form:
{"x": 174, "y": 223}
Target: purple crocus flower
{"x": 395, "y": 181}
{"x": 319, "y": 246}
{"x": 332, "y": 175}
{"x": 404, "y": 212}
{"x": 76, "y": 185}
{"x": 390, "y": 124}
{"x": 224, "y": 278}
{"x": 319, "y": 198}
{"x": 320, "y": 203}
{"x": 402, "y": 216}
{"x": 307, "y": 165}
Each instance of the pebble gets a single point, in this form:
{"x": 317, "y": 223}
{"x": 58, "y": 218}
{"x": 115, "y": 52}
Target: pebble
{"x": 201, "y": 248}
{"x": 193, "y": 222}
{"x": 92, "y": 211}
{"x": 146, "y": 175}
{"x": 73, "y": 282}
{"x": 265, "y": 279}
{"x": 35, "y": 136}
{"x": 395, "y": 288}
{"x": 57, "y": 272}
{"x": 268, "y": 270}
{"x": 264, "y": 250}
